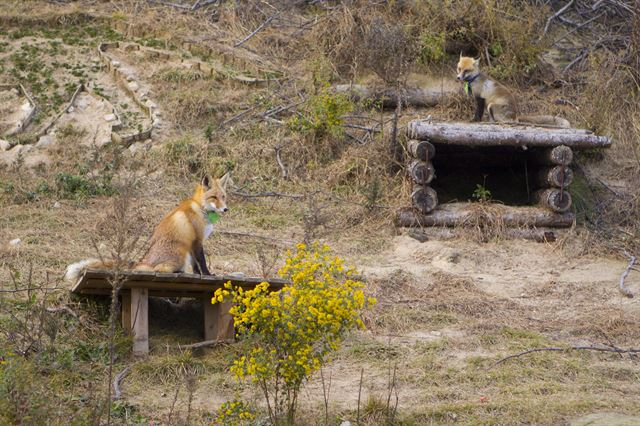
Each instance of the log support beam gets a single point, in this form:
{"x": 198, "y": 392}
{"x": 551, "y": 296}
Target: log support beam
{"x": 140, "y": 320}
{"x": 218, "y": 322}
{"x": 505, "y": 134}
{"x": 470, "y": 214}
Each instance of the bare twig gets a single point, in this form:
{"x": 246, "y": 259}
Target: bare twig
{"x": 630, "y": 351}
{"x": 623, "y": 289}
{"x": 355, "y": 126}
{"x": 19, "y": 290}
{"x": 283, "y": 168}
{"x": 63, "y": 308}
{"x": 267, "y": 194}
{"x": 237, "y": 116}
{"x": 555, "y": 15}
{"x": 203, "y": 344}
{"x": 583, "y": 54}
{"x": 359, "y": 395}
{"x": 166, "y": 3}
{"x": 325, "y": 393}
{"x": 200, "y": 4}
{"x": 281, "y": 108}
{"x": 257, "y": 30}
{"x": 117, "y": 381}
{"x": 568, "y": 33}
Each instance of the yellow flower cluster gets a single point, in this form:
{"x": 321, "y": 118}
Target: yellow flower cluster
{"x": 234, "y": 413}
{"x": 295, "y": 328}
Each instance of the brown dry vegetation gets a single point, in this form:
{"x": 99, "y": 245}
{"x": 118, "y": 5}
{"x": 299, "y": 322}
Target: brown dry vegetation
{"x": 447, "y": 311}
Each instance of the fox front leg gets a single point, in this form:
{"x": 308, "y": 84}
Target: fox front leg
{"x": 479, "y": 109}
{"x": 199, "y": 261}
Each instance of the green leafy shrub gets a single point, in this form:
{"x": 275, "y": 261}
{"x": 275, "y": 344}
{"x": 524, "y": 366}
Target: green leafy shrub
{"x": 322, "y": 114}
{"x": 76, "y": 186}
{"x": 432, "y": 47}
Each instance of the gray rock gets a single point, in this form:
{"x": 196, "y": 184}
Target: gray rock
{"x": 44, "y": 141}
{"x": 4, "y": 145}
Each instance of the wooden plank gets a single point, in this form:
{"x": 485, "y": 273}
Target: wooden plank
{"x": 224, "y": 323}
{"x": 99, "y": 279}
{"x": 170, "y": 286}
{"x": 125, "y": 311}
{"x": 210, "y": 315}
{"x": 140, "y": 320}
{"x": 481, "y": 134}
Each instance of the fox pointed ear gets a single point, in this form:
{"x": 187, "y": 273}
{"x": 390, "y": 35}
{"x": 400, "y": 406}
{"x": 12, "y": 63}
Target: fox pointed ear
{"x": 206, "y": 181}
{"x": 461, "y": 54}
{"x": 476, "y": 62}
{"x": 225, "y": 181}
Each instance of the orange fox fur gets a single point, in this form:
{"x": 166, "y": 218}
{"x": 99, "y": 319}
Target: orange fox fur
{"x": 177, "y": 241}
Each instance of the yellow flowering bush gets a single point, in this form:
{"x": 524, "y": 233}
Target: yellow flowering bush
{"x": 234, "y": 413}
{"x": 294, "y": 329}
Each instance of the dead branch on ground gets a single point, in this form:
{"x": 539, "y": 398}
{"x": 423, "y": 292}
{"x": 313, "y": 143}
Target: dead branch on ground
{"x": 555, "y": 15}
{"x": 204, "y": 344}
{"x": 117, "y": 381}
{"x": 257, "y": 30}
{"x": 267, "y": 194}
{"x": 630, "y": 351}
{"x": 623, "y": 289}
{"x": 283, "y": 167}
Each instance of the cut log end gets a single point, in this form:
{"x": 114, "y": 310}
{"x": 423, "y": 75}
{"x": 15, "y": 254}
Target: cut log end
{"x": 421, "y": 172}
{"x": 421, "y": 150}
{"x": 555, "y": 199}
{"x": 558, "y": 177}
{"x": 424, "y": 198}
{"x": 560, "y": 156}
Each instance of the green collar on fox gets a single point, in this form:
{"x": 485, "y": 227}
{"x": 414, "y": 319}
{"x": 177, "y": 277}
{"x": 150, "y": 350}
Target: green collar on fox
{"x": 213, "y": 217}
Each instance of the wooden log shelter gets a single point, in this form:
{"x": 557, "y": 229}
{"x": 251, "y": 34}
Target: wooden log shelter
{"x": 550, "y": 155}
{"x": 138, "y": 286}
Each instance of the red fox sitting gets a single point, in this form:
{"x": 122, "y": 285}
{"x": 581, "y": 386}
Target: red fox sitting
{"x": 499, "y": 101}
{"x": 176, "y": 243}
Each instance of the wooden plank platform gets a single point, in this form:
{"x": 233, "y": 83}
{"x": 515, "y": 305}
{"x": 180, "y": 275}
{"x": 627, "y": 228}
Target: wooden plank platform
{"x": 138, "y": 286}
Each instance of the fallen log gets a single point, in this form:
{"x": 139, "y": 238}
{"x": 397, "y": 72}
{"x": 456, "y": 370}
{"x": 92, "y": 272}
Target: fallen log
{"x": 469, "y": 214}
{"x": 555, "y": 199}
{"x": 424, "y": 198}
{"x": 414, "y": 96}
{"x": 489, "y": 134}
{"x": 560, "y": 156}
{"x": 422, "y": 150}
{"x": 558, "y": 177}
{"x": 421, "y": 172}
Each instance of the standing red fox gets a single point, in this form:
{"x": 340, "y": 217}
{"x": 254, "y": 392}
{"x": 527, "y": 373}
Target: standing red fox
{"x": 498, "y": 100}
{"x": 177, "y": 242}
